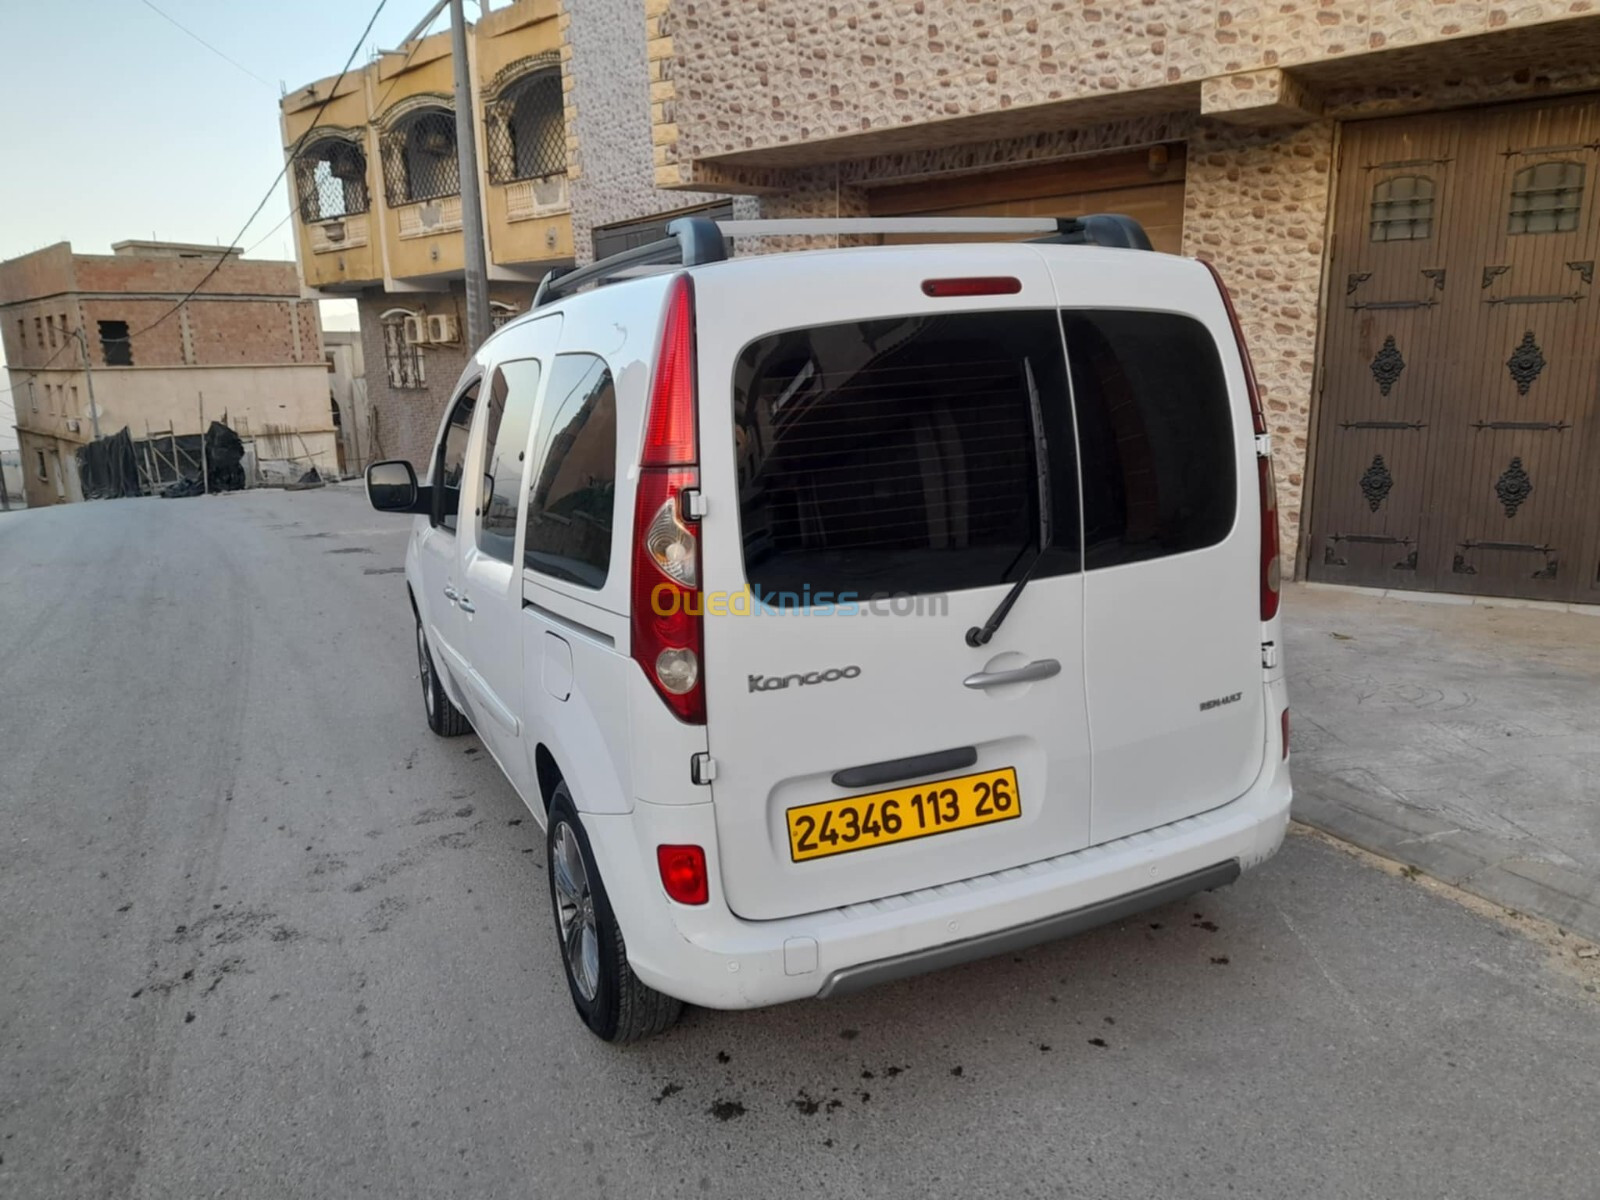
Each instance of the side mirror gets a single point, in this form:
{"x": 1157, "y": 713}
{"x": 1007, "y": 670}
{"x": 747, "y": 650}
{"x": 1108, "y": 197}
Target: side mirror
{"x": 392, "y": 487}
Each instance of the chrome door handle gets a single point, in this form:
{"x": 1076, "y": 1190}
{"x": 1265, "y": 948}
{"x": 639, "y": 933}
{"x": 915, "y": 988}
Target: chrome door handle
{"x": 1039, "y": 668}
{"x": 450, "y": 594}
{"x": 467, "y": 605}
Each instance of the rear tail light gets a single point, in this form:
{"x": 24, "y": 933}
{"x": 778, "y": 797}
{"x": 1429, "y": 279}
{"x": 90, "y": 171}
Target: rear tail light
{"x": 1286, "y": 733}
{"x": 683, "y": 873}
{"x": 1271, "y": 566}
{"x": 667, "y": 624}
{"x": 974, "y": 285}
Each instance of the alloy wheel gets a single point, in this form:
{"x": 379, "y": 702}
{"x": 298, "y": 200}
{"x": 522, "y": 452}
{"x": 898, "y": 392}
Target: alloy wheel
{"x": 580, "y": 939}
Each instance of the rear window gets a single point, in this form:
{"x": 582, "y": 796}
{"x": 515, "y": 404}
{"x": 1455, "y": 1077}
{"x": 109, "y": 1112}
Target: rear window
{"x": 906, "y": 455}
{"x": 1156, "y": 434}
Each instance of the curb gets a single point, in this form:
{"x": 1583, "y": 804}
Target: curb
{"x": 1486, "y": 867}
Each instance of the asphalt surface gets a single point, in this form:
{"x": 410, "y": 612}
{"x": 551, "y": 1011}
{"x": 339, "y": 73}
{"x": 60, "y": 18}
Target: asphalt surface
{"x": 261, "y": 934}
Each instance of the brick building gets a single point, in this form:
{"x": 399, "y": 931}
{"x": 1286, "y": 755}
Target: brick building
{"x": 1401, "y": 196}
{"x": 247, "y": 343}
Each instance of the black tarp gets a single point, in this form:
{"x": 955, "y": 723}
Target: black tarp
{"x": 224, "y": 463}
{"x": 110, "y": 467}
{"x": 225, "y": 458}
{"x": 107, "y": 468}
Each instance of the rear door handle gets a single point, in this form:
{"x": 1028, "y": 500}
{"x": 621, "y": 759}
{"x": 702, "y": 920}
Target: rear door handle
{"x": 1039, "y": 668}
{"x": 466, "y": 605}
{"x": 450, "y": 594}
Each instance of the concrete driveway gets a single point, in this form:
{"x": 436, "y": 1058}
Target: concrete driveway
{"x": 262, "y": 935}
{"x": 1461, "y": 738}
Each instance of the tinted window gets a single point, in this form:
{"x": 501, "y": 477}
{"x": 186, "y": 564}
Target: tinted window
{"x": 451, "y": 463}
{"x": 1156, "y": 434}
{"x": 903, "y": 455}
{"x": 506, "y": 427}
{"x": 575, "y": 472}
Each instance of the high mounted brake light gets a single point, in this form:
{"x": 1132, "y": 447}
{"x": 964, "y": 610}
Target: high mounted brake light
{"x": 667, "y": 623}
{"x": 976, "y": 285}
{"x": 1271, "y": 566}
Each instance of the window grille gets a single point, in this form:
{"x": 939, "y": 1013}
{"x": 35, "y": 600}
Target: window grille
{"x": 419, "y": 158}
{"x": 1402, "y": 209}
{"x": 403, "y": 360}
{"x": 1546, "y": 198}
{"x": 526, "y": 129}
{"x": 331, "y": 180}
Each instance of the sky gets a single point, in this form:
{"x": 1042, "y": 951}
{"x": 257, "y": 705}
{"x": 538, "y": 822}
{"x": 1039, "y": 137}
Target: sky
{"x": 121, "y": 125}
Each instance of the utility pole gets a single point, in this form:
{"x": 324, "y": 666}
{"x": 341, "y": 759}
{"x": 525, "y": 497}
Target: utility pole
{"x": 205, "y": 469}
{"x": 475, "y": 256}
{"x": 88, "y": 379}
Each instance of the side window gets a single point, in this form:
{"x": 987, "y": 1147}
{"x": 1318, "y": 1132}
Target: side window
{"x": 450, "y": 460}
{"x": 1155, "y": 435}
{"x": 507, "y": 422}
{"x": 573, "y": 482}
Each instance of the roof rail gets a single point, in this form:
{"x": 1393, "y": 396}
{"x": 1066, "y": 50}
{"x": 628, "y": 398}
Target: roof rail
{"x": 695, "y": 241}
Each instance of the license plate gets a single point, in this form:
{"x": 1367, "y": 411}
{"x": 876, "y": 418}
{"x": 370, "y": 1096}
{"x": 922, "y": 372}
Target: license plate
{"x": 861, "y": 822}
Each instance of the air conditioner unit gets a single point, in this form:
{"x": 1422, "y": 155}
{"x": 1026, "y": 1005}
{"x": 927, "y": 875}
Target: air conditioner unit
{"x": 442, "y": 328}
{"x": 416, "y": 331}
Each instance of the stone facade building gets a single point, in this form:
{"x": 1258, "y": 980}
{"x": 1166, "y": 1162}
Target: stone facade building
{"x": 246, "y": 346}
{"x": 1401, "y": 276}
{"x": 1400, "y": 195}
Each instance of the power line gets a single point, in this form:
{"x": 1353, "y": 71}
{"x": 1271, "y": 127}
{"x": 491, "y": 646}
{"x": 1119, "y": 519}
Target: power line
{"x": 271, "y": 231}
{"x": 180, "y": 25}
{"x": 282, "y": 171}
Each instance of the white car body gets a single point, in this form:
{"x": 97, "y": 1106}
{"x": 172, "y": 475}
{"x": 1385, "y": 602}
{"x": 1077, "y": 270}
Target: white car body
{"x": 1151, "y": 764}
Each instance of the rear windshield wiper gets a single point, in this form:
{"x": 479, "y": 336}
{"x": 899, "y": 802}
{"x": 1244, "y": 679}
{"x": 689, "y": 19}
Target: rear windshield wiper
{"x": 980, "y": 637}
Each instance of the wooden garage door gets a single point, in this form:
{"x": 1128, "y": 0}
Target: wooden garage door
{"x": 1145, "y": 184}
{"x": 1459, "y": 433}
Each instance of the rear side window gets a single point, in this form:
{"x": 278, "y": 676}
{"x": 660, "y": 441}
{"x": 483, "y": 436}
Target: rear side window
{"x": 907, "y": 455}
{"x": 451, "y": 463}
{"x": 506, "y": 429}
{"x": 1156, "y": 435}
{"x": 573, "y": 482}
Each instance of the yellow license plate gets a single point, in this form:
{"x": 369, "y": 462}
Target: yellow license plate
{"x": 861, "y": 822}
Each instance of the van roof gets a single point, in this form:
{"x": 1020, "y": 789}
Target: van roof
{"x": 700, "y": 241}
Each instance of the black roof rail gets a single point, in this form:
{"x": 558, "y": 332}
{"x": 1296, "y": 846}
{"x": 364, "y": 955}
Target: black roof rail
{"x": 691, "y": 241}
{"x": 695, "y": 241}
{"x": 1099, "y": 229}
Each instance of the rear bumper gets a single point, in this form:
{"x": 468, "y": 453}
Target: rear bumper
{"x": 707, "y": 956}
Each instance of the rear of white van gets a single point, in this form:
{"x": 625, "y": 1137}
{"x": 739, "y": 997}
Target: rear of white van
{"x": 987, "y": 587}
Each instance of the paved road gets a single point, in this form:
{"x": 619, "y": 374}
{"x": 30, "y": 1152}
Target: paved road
{"x": 262, "y": 935}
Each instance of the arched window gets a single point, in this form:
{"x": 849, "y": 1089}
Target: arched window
{"x": 527, "y": 131}
{"x": 419, "y": 157}
{"x": 1402, "y": 209}
{"x": 1546, "y": 198}
{"x": 331, "y": 179}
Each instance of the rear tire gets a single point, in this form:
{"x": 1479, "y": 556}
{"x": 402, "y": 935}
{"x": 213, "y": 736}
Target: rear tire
{"x": 609, "y": 997}
{"x": 444, "y": 718}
